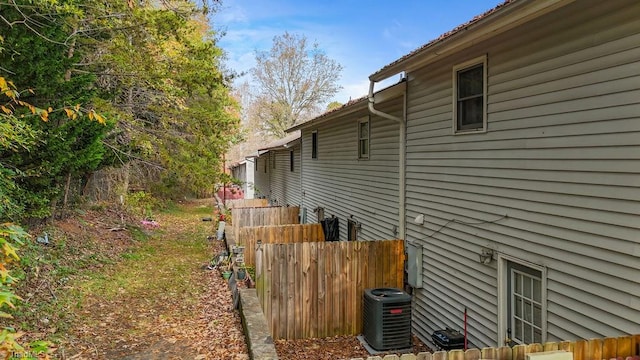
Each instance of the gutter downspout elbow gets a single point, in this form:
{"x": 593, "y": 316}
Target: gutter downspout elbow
{"x": 374, "y": 111}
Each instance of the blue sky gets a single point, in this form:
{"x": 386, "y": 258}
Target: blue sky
{"x": 363, "y": 36}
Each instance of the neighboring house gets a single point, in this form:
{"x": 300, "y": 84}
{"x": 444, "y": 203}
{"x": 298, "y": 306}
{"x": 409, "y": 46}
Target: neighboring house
{"x": 350, "y": 166}
{"x": 262, "y": 184}
{"x": 284, "y": 170}
{"x": 244, "y": 172}
{"x": 522, "y": 172}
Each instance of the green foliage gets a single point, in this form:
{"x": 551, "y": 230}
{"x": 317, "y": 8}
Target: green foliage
{"x": 334, "y": 105}
{"x": 142, "y": 203}
{"x": 51, "y": 137}
{"x": 12, "y": 236}
{"x": 108, "y": 83}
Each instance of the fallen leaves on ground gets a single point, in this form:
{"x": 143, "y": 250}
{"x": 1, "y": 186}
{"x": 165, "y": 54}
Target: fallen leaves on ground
{"x": 332, "y": 348}
{"x": 157, "y": 301}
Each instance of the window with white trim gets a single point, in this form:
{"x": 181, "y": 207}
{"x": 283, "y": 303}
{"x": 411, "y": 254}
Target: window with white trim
{"x": 470, "y": 96}
{"x": 363, "y": 139}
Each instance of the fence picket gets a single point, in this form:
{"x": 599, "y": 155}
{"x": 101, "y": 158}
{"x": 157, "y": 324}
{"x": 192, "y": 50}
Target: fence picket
{"x": 595, "y": 349}
{"x": 456, "y": 355}
{"x": 268, "y": 286}
{"x": 624, "y": 346}
{"x": 581, "y": 350}
{"x": 313, "y": 288}
{"x": 336, "y": 289}
{"x": 281, "y": 290}
{"x": 609, "y": 348}
{"x": 322, "y": 296}
{"x": 505, "y": 353}
{"x": 360, "y": 268}
{"x": 472, "y": 354}
{"x": 489, "y": 353}
{"x": 518, "y": 352}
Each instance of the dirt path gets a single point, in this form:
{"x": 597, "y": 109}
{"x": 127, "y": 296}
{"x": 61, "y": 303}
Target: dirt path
{"x": 158, "y": 302}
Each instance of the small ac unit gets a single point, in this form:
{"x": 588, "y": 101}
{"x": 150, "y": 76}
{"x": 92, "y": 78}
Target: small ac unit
{"x": 550, "y": 355}
{"x": 387, "y": 318}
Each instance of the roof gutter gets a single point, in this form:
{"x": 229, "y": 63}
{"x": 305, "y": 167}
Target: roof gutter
{"x": 500, "y": 21}
{"x": 401, "y": 153}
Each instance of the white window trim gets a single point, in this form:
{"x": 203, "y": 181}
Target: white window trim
{"x": 467, "y": 64}
{"x": 368, "y": 138}
{"x": 503, "y": 297}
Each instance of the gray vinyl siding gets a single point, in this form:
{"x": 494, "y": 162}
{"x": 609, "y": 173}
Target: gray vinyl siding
{"x": 344, "y": 185}
{"x": 285, "y": 184}
{"x": 555, "y": 180}
{"x": 261, "y": 177}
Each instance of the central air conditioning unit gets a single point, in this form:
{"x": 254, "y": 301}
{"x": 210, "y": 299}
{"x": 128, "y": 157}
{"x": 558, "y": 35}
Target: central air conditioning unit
{"x": 387, "y": 319}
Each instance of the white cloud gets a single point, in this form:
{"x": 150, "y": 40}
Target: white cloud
{"x": 352, "y": 90}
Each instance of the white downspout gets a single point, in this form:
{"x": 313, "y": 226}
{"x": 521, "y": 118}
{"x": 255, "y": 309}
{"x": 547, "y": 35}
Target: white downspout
{"x": 401, "y": 150}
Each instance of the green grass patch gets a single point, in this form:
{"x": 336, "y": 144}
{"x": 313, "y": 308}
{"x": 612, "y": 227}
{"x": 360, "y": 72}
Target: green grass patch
{"x": 82, "y": 276}
{"x": 138, "y": 233}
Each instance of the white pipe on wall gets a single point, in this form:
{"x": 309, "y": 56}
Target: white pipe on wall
{"x": 401, "y": 152}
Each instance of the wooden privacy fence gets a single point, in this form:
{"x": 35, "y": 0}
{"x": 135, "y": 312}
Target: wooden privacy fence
{"x": 315, "y": 289}
{"x": 624, "y": 347}
{"x": 275, "y": 215}
{"x": 273, "y": 234}
{"x": 244, "y": 203}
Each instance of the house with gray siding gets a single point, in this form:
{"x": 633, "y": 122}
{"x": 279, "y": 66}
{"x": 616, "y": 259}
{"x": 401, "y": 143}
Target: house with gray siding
{"x": 284, "y": 170}
{"x": 350, "y": 167}
{"x": 522, "y": 173}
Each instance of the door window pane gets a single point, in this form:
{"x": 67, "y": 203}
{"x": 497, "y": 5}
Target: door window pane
{"x": 537, "y": 290}
{"x": 526, "y": 286}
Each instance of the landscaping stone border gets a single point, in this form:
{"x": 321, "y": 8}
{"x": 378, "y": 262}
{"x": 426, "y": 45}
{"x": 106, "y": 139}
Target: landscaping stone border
{"x": 256, "y": 329}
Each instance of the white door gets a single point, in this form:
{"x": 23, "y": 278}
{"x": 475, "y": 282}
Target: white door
{"x": 523, "y": 303}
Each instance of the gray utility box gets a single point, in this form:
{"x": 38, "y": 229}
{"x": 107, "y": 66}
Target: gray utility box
{"x": 387, "y": 318}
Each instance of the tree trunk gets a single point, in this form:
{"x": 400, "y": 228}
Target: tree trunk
{"x": 67, "y": 186}
{"x": 126, "y": 174}
{"x": 72, "y": 49}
